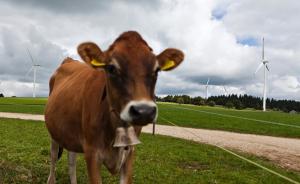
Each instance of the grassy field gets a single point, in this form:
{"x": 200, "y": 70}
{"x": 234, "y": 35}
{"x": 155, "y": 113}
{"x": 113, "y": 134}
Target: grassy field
{"x": 217, "y": 118}
{"x": 23, "y": 105}
{"x": 24, "y": 158}
{"x": 22, "y": 101}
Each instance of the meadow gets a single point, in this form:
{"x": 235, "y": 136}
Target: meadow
{"x": 218, "y": 118}
{"x": 24, "y": 158}
{"x": 271, "y": 123}
{"x": 23, "y": 105}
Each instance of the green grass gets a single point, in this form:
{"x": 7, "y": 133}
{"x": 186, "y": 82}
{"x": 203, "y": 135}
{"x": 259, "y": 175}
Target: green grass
{"x": 23, "y": 101}
{"x": 193, "y": 116}
{"x": 24, "y": 158}
{"x": 276, "y": 116}
{"x": 23, "y": 105}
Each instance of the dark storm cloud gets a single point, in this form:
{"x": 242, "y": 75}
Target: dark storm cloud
{"x": 80, "y": 6}
{"x": 174, "y": 91}
{"x": 219, "y": 80}
{"x": 62, "y": 6}
{"x": 17, "y": 60}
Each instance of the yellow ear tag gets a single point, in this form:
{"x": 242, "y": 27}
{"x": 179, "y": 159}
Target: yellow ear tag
{"x": 96, "y": 63}
{"x": 168, "y": 64}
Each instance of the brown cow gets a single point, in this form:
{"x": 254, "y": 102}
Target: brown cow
{"x": 99, "y": 107}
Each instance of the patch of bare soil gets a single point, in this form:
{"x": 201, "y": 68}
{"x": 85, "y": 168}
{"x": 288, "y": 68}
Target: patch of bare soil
{"x": 194, "y": 166}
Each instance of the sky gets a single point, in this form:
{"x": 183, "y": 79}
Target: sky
{"x": 221, "y": 40}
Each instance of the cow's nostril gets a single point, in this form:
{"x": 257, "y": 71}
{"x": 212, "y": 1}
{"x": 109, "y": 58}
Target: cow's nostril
{"x": 142, "y": 111}
{"x": 134, "y": 111}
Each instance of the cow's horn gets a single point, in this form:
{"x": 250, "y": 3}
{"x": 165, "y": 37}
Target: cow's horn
{"x": 125, "y": 137}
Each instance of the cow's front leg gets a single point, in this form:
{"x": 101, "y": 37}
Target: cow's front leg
{"x": 126, "y": 170}
{"x": 91, "y": 159}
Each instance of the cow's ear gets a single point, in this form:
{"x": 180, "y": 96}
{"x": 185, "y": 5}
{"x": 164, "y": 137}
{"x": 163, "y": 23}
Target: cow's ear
{"x": 91, "y": 54}
{"x": 170, "y": 59}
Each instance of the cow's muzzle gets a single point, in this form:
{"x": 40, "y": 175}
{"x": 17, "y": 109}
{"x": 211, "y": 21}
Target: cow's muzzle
{"x": 142, "y": 114}
{"x": 139, "y": 112}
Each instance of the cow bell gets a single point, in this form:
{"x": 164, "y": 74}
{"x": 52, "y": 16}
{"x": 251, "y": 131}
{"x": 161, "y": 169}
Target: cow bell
{"x": 125, "y": 136}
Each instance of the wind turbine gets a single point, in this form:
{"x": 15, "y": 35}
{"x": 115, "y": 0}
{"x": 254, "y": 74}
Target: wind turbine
{"x": 225, "y": 90}
{"x": 265, "y": 64}
{"x": 34, "y": 68}
{"x": 207, "y": 88}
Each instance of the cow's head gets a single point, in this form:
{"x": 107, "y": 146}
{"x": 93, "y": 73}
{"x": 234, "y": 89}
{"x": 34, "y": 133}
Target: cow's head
{"x": 131, "y": 70}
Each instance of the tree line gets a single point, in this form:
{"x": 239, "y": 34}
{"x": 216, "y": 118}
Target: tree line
{"x": 234, "y": 101}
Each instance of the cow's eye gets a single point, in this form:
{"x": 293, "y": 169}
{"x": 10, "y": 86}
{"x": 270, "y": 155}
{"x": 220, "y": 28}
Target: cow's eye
{"x": 111, "y": 69}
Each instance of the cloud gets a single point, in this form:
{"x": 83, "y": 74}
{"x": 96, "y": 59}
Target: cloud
{"x": 287, "y": 84}
{"x": 66, "y": 6}
{"x": 12, "y": 88}
{"x": 220, "y": 39}
{"x": 16, "y": 64}
{"x": 77, "y": 7}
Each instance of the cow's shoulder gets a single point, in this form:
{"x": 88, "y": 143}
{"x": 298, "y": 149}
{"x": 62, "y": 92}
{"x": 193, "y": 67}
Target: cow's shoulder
{"x": 70, "y": 66}
{"x": 76, "y": 74}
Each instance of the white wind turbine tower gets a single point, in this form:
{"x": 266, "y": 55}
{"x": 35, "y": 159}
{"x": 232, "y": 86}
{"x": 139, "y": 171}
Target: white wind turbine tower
{"x": 265, "y": 64}
{"x": 207, "y": 88}
{"x": 34, "y": 68}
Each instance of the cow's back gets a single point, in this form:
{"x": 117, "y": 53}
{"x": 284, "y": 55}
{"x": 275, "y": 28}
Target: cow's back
{"x": 70, "y": 86}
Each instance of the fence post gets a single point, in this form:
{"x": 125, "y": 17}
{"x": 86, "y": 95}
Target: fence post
{"x": 153, "y": 129}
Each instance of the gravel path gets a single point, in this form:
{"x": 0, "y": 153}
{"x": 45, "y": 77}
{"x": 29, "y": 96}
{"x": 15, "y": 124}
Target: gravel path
{"x": 22, "y": 116}
{"x": 283, "y": 151}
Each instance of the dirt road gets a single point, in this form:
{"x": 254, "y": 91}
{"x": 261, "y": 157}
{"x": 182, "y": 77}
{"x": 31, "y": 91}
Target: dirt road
{"x": 283, "y": 151}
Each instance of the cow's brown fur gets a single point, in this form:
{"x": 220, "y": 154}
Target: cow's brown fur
{"x": 84, "y": 103}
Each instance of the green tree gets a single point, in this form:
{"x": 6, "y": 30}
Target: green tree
{"x": 229, "y": 105}
{"x": 238, "y": 105}
{"x": 211, "y": 103}
{"x": 180, "y": 100}
{"x": 197, "y": 101}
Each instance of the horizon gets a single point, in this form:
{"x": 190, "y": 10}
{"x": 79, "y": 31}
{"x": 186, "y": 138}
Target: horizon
{"x": 162, "y": 96}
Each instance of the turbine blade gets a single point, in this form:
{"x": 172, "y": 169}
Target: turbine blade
{"x": 259, "y": 66}
{"x": 30, "y": 56}
{"x": 263, "y": 49}
{"x": 225, "y": 89}
{"x": 207, "y": 81}
{"x": 267, "y": 67}
{"x": 29, "y": 71}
